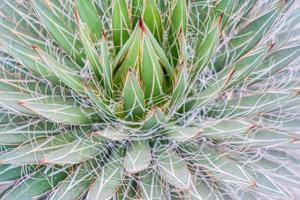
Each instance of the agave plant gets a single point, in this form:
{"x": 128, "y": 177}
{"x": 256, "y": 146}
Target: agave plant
{"x": 149, "y": 99}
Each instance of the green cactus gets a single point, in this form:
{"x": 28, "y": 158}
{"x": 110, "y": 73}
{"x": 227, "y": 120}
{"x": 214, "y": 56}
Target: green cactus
{"x": 149, "y": 99}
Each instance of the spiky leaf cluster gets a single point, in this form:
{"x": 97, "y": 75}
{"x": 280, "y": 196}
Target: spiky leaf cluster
{"x": 149, "y": 99}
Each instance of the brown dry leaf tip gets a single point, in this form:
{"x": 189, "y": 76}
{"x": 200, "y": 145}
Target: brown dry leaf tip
{"x": 141, "y": 24}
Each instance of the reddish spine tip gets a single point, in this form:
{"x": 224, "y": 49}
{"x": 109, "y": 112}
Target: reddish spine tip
{"x": 221, "y": 17}
{"x": 104, "y": 35}
{"x": 293, "y": 140}
{"x": 43, "y": 161}
{"x": 76, "y": 15}
{"x": 271, "y": 46}
{"x": 141, "y": 24}
{"x": 254, "y": 184}
{"x": 252, "y": 126}
{"x": 34, "y": 47}
{"x": 98, "y": 133}
{"x": 22, "y": 103}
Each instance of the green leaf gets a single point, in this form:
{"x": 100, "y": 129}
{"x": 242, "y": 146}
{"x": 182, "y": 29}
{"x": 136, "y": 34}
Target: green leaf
{"x": 202, "y": 190}
{"x": 178, "y": 24}
{"x": 151, "y": 186}
{"x": 98, "y": 100}
{"x": 61, "y": 32}
{"x": 125, "y": 48}
{"x": 275, "y": 62}
{"x": 76, "y": 184}
{"x": 133, "y": 98}
{"x": 173, "y": 169}
{"x": 36, "y": 185}
{"x": 20, "y": 33}
{"x": 224, "y": 8}
{"x": 76, "y": 152}
{"x": 266, "y": 174}
{"x": 34, "y": 151}
{"x": 25, "y": 55}
{"x": 90, "y": 49}
{"x": 129, "y": 54}
{"x": 153, "y": 19}
{"x": 268, "y": 138}
{"x": 152, "y": 76}
{"x": 164, "y": 61}
{"x": 255, "y": 103}
{"x": 274, "y": 166}
{"x": 219, "y": 167}
{"x": 59, "y": 111}
{"x": 154, "y": 119}
{"x": 12, "y": 83}
{"x": 8, "y": 117}
{"x": 183, "y": 134}
{"x": 179, "y": 15}
{"x": 89, "y": 16}
{"x": 109, "y": 180}
{"x": 136, "y": 10}
{"x": 17, "y": 133}
{"x": 180, "y": 87}
{"x": 128, "y": 190}
{"x": 247, "y": 38}
{"x": 11, "y": 101}
{"x": 107, "y": 68}
{"x": 138, "y": 157}
{"x": 120, "y": 23}
{"x": 16, "y": 11}
{"x": 247, "y": 65}
{"x": 244, "y": 8}
{"x": 207, "y": 95}
{"x": 67, "y": 75}
{"x": 100, "y": 62}
{"x": 135, "y": 55}
{"x": 205, "y": 48}
{"x": 64, "y": 10}
{"x": 11, "y": 173}
{"x": 111, "y": 134}
{"x": 142, "y": 55}
{"x": 226, "y": 128}
{"x": 267, "y": 185}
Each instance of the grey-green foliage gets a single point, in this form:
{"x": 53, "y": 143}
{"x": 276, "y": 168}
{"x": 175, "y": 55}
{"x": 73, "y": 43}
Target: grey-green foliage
{"x": 149, "y": 99}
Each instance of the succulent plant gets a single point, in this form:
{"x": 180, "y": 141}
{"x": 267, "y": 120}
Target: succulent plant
{"x": 149, "y": 99}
